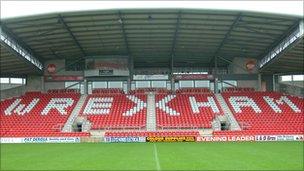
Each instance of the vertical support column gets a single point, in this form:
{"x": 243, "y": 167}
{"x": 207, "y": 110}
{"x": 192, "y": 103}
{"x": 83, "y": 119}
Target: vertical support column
{"x": 171, "y": 74}
{"x": 215, "y": 76}
{"x": 85, "y": 86}
{"x": 131, "y": 72}
{"x": 42, "y": 84}
{"x": 274, "y": 82}
{"x": 172, "y": 84}
{"x": 128, "y": 84}
{"x": 259, "y": 82}
{"x": 222, "y": 85}
{"x": 292, "y": 81}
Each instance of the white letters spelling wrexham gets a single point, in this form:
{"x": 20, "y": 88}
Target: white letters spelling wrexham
{"x": 243, "y": 101}
{"x": 20, "y": 109}
{"x": 274, "y": 104}
{"x": 196, "y": 105}
{"x": 60, "y": 104}
{"x": 139, "y": 106}
{"x": 98, "y": 105}
{"x": 162, "y": 105}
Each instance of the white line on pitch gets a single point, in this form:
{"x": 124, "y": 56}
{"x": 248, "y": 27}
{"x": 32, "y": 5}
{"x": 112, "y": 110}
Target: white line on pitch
{"x": 156, "y": 158}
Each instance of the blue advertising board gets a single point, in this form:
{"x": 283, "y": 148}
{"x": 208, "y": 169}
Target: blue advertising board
{"x": 125, "y": 139}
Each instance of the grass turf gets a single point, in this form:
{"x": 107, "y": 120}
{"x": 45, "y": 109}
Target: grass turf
{"x": 154, "y": 156}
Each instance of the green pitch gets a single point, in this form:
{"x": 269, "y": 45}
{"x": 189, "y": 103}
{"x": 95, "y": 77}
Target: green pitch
{"x": 154, "y": 156}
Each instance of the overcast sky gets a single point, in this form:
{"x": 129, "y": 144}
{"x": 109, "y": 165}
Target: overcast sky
{"x": 23, "y": 8}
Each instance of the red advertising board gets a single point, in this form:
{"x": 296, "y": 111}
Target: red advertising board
{"x": 63, "y": 78}
{"x": 193, "y": 77}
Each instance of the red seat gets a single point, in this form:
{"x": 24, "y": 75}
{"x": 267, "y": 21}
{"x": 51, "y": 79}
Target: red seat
{"x": 115, "y": 118}
{"x": 268, "y": 121}
{"x": 34, "y": 123}
{"x": 187, "y": 118}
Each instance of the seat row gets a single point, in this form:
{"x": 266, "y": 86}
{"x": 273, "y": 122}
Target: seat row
{"x": 265, "y": 112}
{"x": 35, "y": 114}
{"x": 256, "y": 113}
{"x": 115, "y": 111}
{"x": 186, "y": 111}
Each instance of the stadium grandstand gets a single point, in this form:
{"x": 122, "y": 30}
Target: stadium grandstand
{"x": 151, "y": 74}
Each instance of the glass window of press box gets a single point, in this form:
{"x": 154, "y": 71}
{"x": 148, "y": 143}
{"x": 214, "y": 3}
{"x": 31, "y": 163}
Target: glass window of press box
{"x": 11, "y": 82}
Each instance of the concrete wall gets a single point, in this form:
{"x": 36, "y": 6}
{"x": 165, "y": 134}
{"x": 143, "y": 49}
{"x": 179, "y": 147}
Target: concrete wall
{"x": 13, "y": 92}
{"x": 289, "y": 89}
{"x": 53, "y": 85}
{"x": 60, "y": 70}
{"x": 248, "y": 83}
{"x": 4, "y": 86}
{"x": 294, "y": 83}
{"x": 238, "y": 66}
{"x": 34, "y": 83}
{"x": 37, "y": 83}
{"x": 268, "y": 79}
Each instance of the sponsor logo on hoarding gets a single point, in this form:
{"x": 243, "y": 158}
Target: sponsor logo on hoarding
{"x": 171, "y": 139}
{"x": 253, "y": 138}
{"x": 286, "y": 138}
{"x": 226, "y": 138}
{"x": 266, "y": 138}
{"x": 125, "y": 139}
{"x": 299, "y": 137}
{"x": 279, "y": 138}
{"x": 52, "y": 140}
{"x": 35, "y": 140}
{"x": 41, "y": 140}
{"x": 11, "y": 140}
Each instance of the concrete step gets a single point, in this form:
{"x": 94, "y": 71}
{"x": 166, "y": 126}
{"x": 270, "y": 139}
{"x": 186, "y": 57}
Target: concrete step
{"x": 205, "y": 132}
{"x": 227, "y": 112}
{"x": 68, "y": 125}
{"x": 151, "y": 114}
{"x": 97, "y": 133}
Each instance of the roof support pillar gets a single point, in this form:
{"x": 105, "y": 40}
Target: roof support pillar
{"x": 173, "y": 48}
{"x": 215, "y": 75}
{"x": 130, "y": 57}
{"x": 128, "y": 84}
{"x": 171, "y": 73}
{"x": 85, "y": 86}
{"x": 131, "y": 72}
{"x": 273, "y": 83}
{"x": 259, "y": 82}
